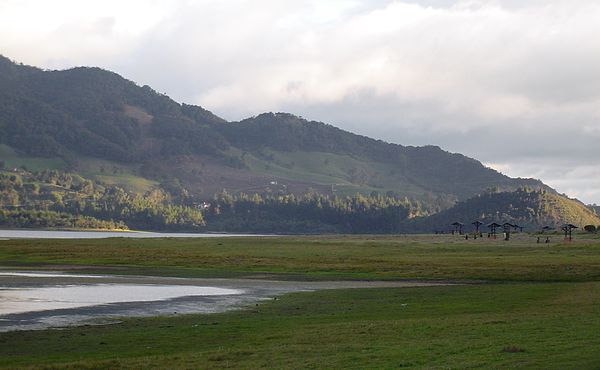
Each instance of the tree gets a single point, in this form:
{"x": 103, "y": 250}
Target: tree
{"x": 590, "y": 228}
{"x": 87, "y": 187}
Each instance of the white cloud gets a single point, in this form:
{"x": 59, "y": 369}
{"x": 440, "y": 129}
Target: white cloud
{"x": 507, "y": 82}
{"x": 569, "y": 177}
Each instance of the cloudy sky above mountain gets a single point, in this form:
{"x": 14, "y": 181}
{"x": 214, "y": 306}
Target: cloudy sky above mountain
{"x": 515, "y": 84}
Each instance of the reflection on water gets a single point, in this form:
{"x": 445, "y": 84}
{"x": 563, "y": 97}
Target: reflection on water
{"x": 52, "y": 234}
{"x": 20, "y": 300}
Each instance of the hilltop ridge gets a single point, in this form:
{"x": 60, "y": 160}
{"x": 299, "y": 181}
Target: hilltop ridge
{"x": 529, "y": 208}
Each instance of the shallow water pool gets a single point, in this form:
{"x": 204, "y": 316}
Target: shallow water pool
{"x": 20, "y": 300}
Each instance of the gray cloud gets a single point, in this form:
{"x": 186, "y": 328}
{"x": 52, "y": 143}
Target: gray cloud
{"x": 512, "y": 83}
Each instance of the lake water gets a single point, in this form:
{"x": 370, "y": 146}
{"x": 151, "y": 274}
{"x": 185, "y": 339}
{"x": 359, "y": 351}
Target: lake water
{"x": 55, "y": 234}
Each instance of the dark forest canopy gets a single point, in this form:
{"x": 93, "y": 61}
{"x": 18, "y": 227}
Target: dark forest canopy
{"x": 309, "y": 213}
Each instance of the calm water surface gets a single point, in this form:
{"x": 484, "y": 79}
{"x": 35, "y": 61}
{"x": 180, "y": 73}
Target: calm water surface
{"x": 37, "y": 300}
{"x": 20, "y": 300}
{"x": 52, "y": 234}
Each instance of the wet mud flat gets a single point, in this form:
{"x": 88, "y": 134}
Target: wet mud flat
{"x": 39, "y": 300}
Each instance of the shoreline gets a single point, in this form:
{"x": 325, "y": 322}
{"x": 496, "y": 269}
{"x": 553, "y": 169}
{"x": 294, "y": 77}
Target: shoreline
{"x": 251, "y": 291}
{"x": 25, "y": 233}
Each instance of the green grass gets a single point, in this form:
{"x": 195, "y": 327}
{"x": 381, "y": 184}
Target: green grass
{"x": 319, "y": 257}
{"x": 13, "y": 160}
{"x": 542, "y": 326}
{"x": 97, "y": 169}
{"x": 112, "y": 173}
{"x": 542, "y": 312}
{"x": 328, "y": 168}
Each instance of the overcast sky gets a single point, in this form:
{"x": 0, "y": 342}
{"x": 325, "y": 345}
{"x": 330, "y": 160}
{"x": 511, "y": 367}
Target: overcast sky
{"x": 515, "y": 84}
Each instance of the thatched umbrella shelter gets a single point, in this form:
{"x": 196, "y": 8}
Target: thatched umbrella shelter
{"x": 507, "y": 226}
{"x": 492, "y": 228}
{"x": 458, "y": 227}
{"x": 477, "y": 224}
{"x": 568, "y": 229}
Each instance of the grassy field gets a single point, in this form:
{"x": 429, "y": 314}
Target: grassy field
{"x": 107, "y": 172}
{"x": 13, "y": 160}
{"x": 350, "y": 175}
{"x": 112, "y": 173}
{"x": 540, "y": 306}
{"x": 543, "y": 326}
{"x": 320, "y": 257}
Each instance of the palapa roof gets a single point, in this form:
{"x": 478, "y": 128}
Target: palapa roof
{"x": 569, "y": 226}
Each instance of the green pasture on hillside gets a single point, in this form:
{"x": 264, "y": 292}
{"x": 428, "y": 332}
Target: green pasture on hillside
{"x": 13, "y": 160}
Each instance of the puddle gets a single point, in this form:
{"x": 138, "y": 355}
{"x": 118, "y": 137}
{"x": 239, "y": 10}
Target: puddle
{"x": 17, "y": 300}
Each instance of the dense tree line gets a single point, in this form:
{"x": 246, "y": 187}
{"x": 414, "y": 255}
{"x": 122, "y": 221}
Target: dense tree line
{"x": 51, "y": 219}
{"x": 309, "y": 213}
{"x": 151, "y": 211}
{"x": 59, "y": 199}
{"x": 53, "y": 198}
{"x": 53, "y": 194}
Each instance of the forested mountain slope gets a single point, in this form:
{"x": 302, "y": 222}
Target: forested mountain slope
{"x": 95, "y": 122}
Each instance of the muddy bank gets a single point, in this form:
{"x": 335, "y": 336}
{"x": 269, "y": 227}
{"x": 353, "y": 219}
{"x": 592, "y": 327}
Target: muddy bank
{"x": 39, "y": 300}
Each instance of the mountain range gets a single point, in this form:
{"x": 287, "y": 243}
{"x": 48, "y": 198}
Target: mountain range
{"x": 104, "y": 127}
